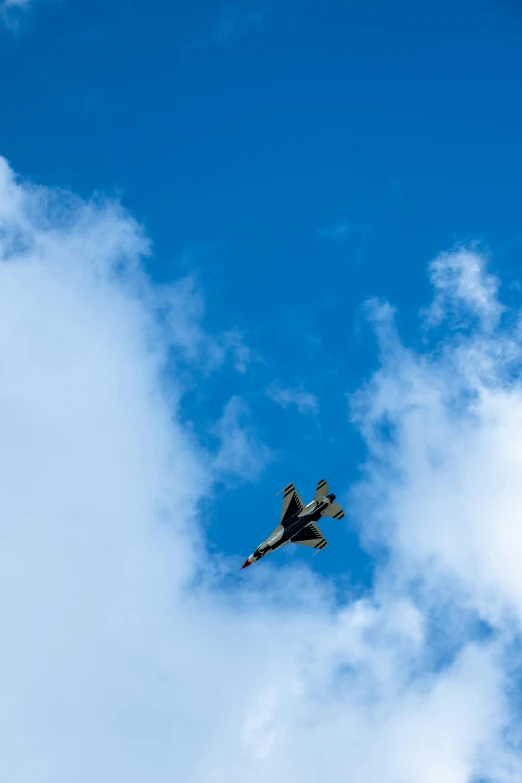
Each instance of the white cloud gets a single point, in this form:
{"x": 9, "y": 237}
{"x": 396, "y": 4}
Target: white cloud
{"x": 452, "y": 508}
{"x": 183, "y": 309}
{"x": 111, "y": 668}
{"x": 10, "y": 11}
{"x": 306, "y": 402}
{"x": 463, "y": 288}
{"x": 240, "y": 451}
{"x": 233, "y": 342}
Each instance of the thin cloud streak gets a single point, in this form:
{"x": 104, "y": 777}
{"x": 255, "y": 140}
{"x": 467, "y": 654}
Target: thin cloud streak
{"x": 183, "y": 311}
{"x": 304, "y": 401}
{"x": 234, "y": 21}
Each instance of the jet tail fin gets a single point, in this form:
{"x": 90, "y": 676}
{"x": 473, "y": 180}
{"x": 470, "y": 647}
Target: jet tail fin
{"x": 322, "y": 490}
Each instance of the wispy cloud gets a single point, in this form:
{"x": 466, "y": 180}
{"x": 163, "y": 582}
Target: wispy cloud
{"x": 339, "y": 232}
{"x": 241, "y": 453}
{"x": 183, "y": 306}
{"x": 463, "y": 289}
{"x": 235, "y": 20}
{"x": 233, "y": 341}
{"x": 304, "y": 401}
{"x": 113, "y": 669}
{"x": 232, "y": 21}
{"x": 10, "y": 11}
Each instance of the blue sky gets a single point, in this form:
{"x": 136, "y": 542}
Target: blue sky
{"x": 292, "y": 161}
{"x": 300, "y": 158}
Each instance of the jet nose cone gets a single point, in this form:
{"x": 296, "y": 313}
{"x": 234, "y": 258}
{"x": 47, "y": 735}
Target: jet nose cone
{"x": 246, "y": 563}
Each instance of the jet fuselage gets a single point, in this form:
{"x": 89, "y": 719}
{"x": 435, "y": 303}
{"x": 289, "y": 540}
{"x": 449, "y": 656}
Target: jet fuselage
{"x": 291, "y": 526}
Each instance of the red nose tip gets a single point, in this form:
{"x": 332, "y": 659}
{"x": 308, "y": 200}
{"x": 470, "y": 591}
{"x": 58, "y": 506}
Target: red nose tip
{"x": 246, "y": 563}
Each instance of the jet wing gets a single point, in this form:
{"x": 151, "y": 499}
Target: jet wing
{"x": 291, "y": 502}
{"x": 310, "y": 535}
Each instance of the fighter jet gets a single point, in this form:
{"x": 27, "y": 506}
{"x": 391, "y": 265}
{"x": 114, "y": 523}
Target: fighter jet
{"x": 298, "y": 522}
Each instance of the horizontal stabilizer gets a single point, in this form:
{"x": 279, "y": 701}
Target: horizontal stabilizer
{"x": 334, "y": 510}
